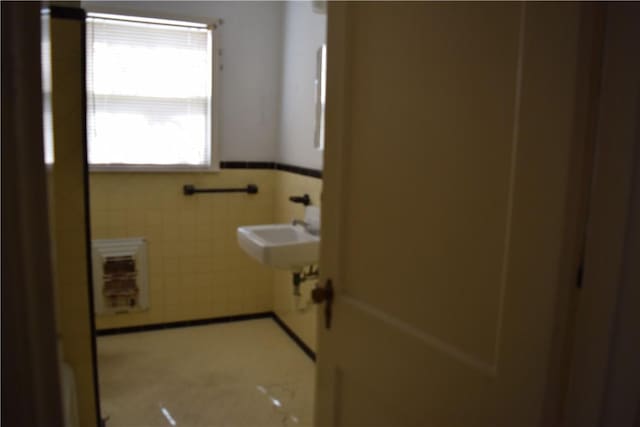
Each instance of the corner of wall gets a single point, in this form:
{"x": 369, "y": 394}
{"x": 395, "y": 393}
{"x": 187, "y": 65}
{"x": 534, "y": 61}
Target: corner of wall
{"x": 298, "y": 313}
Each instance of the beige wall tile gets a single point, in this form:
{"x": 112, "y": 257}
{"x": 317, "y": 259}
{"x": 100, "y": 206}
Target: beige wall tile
{"x": 197, "y": 269}
{"x": 194, "y": 260}
{"x": 68, "y": 212}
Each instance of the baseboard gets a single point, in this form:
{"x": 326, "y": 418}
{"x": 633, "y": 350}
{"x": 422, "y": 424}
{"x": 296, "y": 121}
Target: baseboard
{"x": 210, "y": 321}
{"x": 183, "y": 324}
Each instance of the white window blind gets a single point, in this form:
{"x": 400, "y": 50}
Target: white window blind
{"x": 149, "y": 87}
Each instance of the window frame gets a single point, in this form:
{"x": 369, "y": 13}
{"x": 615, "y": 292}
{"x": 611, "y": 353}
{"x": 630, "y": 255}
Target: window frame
{"x": 213, "y": 24}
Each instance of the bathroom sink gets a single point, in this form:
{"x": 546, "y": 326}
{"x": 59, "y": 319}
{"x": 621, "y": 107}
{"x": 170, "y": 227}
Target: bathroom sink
{"x": 283, "y": 246}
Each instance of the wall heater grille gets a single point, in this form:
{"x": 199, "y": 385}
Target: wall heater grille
{"x": 120, "y": 275}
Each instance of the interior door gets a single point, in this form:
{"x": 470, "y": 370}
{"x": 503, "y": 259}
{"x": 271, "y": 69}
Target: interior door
{"x": 451, "y": 132}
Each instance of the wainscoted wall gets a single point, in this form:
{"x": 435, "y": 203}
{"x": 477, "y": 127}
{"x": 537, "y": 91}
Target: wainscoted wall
{"x": 196, "y": 268}
{"x": 303, "y": 33}
{"x": 291, "y": 309}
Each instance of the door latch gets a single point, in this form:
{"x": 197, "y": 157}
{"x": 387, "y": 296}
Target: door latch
{"x": 324, "y": 295}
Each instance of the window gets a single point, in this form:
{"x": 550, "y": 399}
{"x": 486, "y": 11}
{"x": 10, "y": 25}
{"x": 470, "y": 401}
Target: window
{"x": 47, "y": 114}
{"x": 149, "y": 92}
{"x": 321, "y": 96}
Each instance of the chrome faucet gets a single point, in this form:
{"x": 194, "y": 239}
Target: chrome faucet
{"x": 309, "y": 229}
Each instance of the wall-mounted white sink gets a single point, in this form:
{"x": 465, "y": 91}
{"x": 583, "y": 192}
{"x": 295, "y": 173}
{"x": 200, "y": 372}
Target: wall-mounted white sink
{"x": 283, "y": 246}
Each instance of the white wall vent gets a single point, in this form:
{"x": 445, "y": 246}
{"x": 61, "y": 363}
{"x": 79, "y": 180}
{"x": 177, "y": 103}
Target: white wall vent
{"x": 120, "y": 275}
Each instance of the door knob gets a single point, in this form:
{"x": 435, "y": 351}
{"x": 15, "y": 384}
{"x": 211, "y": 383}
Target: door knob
{"x": 324, "y": 295}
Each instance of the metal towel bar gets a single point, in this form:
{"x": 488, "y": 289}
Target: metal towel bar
{"x": 190, "y": 190}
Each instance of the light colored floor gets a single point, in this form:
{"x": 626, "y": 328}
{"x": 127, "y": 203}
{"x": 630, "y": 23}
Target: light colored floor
{"x": 247, "y": 373}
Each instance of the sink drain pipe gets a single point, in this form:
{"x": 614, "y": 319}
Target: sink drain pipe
{"x": 302, "y": 276}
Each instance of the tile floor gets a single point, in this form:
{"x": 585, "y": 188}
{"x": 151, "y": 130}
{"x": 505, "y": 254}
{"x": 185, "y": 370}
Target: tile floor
{"x": 247, "y": 373}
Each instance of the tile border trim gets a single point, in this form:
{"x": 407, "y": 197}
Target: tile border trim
{"x": 246, "y": 165}
{"x": 315, "y": 173}
{"x": 66, "y": 12}
{"x": 209, "y": 321}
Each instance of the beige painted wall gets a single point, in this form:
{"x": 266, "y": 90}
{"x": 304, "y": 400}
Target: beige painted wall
{"x": 196, "y": 269}
{"x": 296, "y": 312}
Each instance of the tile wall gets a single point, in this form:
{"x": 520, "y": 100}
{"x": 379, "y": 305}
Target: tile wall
{"x": 67, "y": 212}
{"x": 196, "y": 269}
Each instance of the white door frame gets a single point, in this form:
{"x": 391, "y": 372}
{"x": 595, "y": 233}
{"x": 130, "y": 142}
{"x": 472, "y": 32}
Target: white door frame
{"x": 30, "y": 381}
{"x": 604, "y": 385}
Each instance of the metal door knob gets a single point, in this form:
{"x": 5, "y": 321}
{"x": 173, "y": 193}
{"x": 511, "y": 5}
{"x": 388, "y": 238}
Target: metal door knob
{"x": 320, "y": 295}
{"x": 324, "y": 295}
